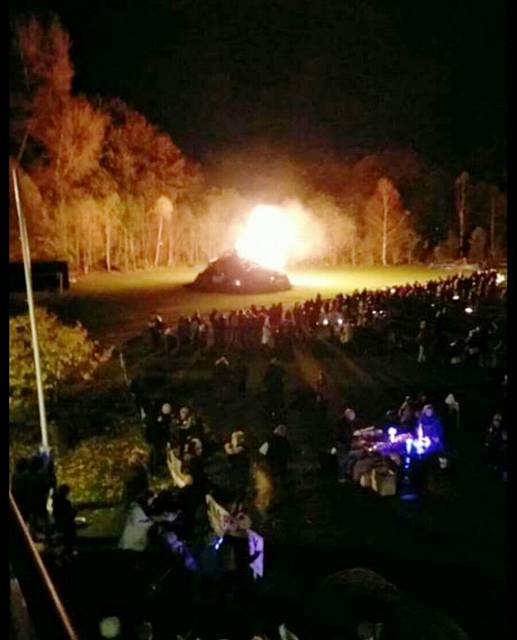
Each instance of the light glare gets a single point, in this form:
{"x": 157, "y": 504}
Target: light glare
{"x": 269, "y": 236}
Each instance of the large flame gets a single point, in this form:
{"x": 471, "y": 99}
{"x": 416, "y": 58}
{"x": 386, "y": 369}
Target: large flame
{"x": 268, "y": 237}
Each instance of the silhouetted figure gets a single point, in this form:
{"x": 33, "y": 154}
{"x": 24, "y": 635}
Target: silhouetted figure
{"x": 64, "y": 517}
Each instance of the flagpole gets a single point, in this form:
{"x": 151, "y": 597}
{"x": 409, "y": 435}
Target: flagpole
{"x": 24, "y": 239}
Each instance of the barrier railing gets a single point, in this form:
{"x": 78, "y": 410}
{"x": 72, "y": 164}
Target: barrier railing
{"x": 47, "y": 613}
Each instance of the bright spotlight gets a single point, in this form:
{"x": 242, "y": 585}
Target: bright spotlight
{"x": 268, "y": 237}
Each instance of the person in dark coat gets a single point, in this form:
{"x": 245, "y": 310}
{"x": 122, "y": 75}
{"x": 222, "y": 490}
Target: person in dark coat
{"x": 274, "y": 384}
{"x": 64, "y": 517}
{"x": 241, "y": 372}
{"x": 20, "y": 487}
{"x": 239, "y": 461}
{"x": 157, "y": 434}
{"x": 38, "y": 490}
{"x": 496, "y": 444}
{"x": 278, "y": 452}
{"x": 344, "y": 433}
{"x": 155, "y": 326}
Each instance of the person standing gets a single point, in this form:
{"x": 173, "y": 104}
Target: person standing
{"x": 277, "y": 451}
{"x": 155, "y": 326}
{"x": 136, "y": 480}
{"x": 423, "y": 342}
{"x": 157, "y": 434}
{"x": 37, "y": 490}
{"x": 344, "y": 434}
{"x": 138, "y": 523}
{"x": 20, "y": 487}
{"x": 242, "y": 372}
{"x": 239, "y": 461}
{"x": 64, "y": 518}
{"x": 274, "y": 384}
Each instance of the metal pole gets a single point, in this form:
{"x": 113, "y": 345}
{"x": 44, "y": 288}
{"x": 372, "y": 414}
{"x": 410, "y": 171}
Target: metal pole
{"x": 30, "y": 302}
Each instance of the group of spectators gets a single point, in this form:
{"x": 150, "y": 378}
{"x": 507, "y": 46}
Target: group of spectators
{"x": 173, "y": 522}
{"x": 44, "y": 505}
{"x": 449, "y": 326}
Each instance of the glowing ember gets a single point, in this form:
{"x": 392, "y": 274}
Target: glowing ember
{"x": 268, "y": 237}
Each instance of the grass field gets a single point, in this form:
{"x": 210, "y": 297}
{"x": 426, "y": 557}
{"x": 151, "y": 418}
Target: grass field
{"x": 460, "y": 536}
{"x": 115, "y": 306}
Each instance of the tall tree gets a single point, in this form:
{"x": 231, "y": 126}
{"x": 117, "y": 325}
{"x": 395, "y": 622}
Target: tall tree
{"x": 386, "y": 221}
{"x": 41, "y": 78}
{"x": 461, "y": 186}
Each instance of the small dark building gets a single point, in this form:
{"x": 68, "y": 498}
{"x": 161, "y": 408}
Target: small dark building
{"x": 49, "y": 275}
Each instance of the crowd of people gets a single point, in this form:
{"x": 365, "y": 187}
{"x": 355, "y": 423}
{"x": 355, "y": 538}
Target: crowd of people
{"x": 374, "y": 319}
{"x": 251, "y": 479}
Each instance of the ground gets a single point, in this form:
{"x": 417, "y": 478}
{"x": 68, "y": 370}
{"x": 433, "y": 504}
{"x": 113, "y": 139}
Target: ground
{"x": 115, "y": 306}
{"x": 447, "y": 552}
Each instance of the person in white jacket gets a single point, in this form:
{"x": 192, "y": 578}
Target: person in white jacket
{"x": 138, "y": 523}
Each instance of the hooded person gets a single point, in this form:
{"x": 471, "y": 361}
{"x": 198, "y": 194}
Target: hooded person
{"x": 430, "y": 426}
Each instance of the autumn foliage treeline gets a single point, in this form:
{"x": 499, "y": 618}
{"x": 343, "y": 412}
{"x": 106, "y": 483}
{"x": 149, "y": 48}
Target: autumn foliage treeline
{"x": 103, "y": 188}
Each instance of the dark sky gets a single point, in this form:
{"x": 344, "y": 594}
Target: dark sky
{"x": 332, "y": 74}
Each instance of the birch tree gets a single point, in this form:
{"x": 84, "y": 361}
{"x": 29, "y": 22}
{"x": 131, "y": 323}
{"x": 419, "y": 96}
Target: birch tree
{"x": 461, "y": 186}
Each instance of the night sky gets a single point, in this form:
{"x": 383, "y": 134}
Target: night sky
{"x": 325, "y": 76}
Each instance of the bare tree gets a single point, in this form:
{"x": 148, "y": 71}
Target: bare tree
{"x": 384, "y": 217}
{"x": 163, "y": 209}
{"x": 461, "y": 187}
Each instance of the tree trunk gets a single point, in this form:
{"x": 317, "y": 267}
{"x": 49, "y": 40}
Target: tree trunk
{"x": 132, "y": 247}
{"x": 89, "y": 240}
{"x": 158, "y": 242}
{"x": 461, "y": 197}
{"x": 384, "y": 229}
{"x": 108, "y": 243}
{"x": 77, "y": 248}
{"x": 461, "y": 214}
{"x": 170, "y": 257}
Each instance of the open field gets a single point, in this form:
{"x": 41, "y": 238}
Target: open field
{"x": 459, "y": 535}
{"x": 115, "y": 306}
